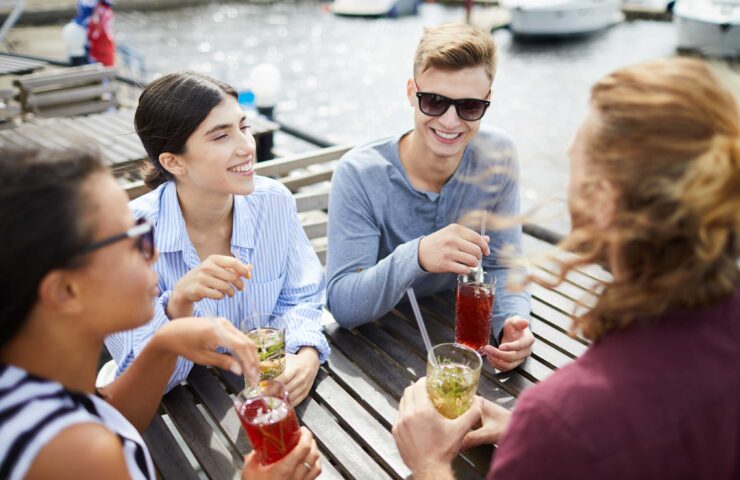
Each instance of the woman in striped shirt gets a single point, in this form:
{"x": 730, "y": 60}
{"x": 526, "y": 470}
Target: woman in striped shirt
{"x": 76, "y": 268}
{"x": 230, "y": 243}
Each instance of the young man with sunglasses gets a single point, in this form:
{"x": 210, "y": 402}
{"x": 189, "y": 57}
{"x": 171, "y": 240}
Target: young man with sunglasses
{"x": 395, "y": 202}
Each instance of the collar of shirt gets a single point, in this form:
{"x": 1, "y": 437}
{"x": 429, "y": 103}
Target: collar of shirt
{"x": 395, "y": 160}
{"x": 172, "y": 236}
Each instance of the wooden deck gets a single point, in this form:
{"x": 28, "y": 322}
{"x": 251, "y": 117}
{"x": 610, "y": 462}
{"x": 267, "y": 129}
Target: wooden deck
{"x": 354, "y": 402}
{"x": 112, "y": 132}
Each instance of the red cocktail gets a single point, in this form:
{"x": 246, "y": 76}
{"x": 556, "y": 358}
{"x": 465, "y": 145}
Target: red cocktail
{"x": 269, "y": 421}
{"x": 473, "y": 310}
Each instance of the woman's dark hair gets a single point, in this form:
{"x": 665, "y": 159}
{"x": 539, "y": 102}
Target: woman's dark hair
{"x": 43, "y": 223}
{"x": 170, "y": 109}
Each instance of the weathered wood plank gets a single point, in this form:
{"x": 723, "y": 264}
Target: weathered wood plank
{"x": 382, "y": 405}
{"x": 312, "y": 201}
{"x": 67, "y": 76}
{"x": 219, "y": 406}
{"x": 68, "y": 95}
{"x": 364, "y": 428}
{"x": 293, "y": 183}
{"x": 77, "y": 109}
{"x": 283, "y": 166}
{"x": 441, "y": 317}
{"x": 215, "y": 457}
{"x": 353, "y": 461}
{"x": 557, "y": 339}
{"x": 369, "y": 360}
{"x": 169, "y": 459}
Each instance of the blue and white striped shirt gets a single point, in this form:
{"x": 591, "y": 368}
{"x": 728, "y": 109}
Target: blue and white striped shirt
{"x": 287, "y": 278}
{"x": 34, "y": 410}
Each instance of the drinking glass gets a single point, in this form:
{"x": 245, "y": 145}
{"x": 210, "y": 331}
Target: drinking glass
{"x": 453, "y": 381}
{"x": 473, "y": 309}
{"x": 267, "y": 331}
{"x": 269, "y": 420}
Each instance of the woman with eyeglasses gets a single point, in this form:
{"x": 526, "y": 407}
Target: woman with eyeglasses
{"x": 230, "y": 242}
{"x": 655, "y": 195}
{"x": 76, "y": 267}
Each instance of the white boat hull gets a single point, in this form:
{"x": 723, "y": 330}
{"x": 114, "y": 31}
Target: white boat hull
{"x": 574, "y": 18}
{"x": 374, "y": 8}
{"x": 711, "y": 33}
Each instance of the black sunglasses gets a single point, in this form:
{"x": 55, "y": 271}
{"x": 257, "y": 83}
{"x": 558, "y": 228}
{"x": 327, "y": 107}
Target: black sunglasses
{"x": 435, "y": 105}
{"x": 143, "y": 232}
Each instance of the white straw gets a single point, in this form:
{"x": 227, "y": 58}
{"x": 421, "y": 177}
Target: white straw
{"x": 479, "y": 271}
{"x": 420, "y": 321}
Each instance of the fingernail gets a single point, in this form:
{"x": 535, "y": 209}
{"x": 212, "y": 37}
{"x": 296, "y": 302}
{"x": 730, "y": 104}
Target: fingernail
{"x": 503, "y": 348}
{"x": 236, "y": 369}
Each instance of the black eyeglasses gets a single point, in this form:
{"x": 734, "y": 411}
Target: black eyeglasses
{"x": 143, "y": 232}
{"x": 435, "y": 105}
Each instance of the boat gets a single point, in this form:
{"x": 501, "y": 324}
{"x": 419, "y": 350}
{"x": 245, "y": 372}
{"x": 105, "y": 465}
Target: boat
{"x": 650, "y": 5}
{"x": 709, "y": 27}
{"x": 554, "y": 18}
{"x": 375, "y": 8}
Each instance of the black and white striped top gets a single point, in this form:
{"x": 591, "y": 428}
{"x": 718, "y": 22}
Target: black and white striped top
{"x": 33, "y": 410}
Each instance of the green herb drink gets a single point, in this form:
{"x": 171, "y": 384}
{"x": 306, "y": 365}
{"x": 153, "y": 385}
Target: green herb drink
{"x": 452, "y": 383}
{"x": 268, "y": 333}
{"x": 271, "y": 350}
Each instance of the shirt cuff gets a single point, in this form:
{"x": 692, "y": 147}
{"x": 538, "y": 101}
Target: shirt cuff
{"x": 309, "y": 339}
{"x": 407, "y": 256}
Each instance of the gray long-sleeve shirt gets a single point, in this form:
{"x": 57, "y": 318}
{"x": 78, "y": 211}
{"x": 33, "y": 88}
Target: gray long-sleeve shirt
{"x": 376, "y": 219}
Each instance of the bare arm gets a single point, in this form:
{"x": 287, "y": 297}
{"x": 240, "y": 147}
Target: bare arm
{"x": 81, "y": 452}
{"x": 138, "y": 391}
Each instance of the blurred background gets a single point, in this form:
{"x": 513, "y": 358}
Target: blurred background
{"x": 342, "y": 78}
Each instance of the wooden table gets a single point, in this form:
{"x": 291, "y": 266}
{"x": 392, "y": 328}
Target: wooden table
{"x": 354, "y": 402}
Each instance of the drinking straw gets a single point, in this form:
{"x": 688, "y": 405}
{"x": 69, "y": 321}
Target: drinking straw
{"x": 420, "y": 321}
{"x": 479, "y": 271}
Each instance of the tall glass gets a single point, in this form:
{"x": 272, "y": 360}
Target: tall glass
{"x": 269, "y": 420}
{"x": 473, "y": 310}
{"x": 452, "y": 383}
{"x": 268, "y": 333}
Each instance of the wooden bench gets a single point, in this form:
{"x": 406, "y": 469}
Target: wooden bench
{"x": 308, "y": 177}
{"x": 9, "y": 111}
{"x": 67, "y": 92}
{"x": 18, "y": 65}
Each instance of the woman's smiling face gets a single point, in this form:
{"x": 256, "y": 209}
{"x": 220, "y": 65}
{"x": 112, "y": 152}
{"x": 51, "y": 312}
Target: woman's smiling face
{"x": 220, "y": 154}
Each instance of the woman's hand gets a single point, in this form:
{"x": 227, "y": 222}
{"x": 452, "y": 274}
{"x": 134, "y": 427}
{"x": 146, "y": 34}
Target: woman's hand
{"x": 300, "y": 372}
{"x": 197, "y": 339}
{"x": 302, "y": 463}
{"x": 426, "y": 440}
{"x": 216, "y": 277}
{"x": 495, "y": 420}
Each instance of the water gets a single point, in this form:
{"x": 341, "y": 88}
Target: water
{"x": 344, "y": 79}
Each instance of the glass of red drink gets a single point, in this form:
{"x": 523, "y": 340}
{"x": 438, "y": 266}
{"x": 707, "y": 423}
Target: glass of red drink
{"x": 473, "y": 309}
{"x": 269, "y": 420}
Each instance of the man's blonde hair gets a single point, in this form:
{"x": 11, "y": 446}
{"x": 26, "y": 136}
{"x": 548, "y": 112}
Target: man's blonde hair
{"x": 455, "y": 46}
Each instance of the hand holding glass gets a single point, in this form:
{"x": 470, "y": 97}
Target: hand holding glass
{"x": 473, "y": 309}
{"x": 453, "y": 381}
{"x": 269, "y": 420}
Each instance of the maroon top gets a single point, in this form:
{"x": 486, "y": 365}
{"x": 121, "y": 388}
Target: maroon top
{"x": 660, "y": 402}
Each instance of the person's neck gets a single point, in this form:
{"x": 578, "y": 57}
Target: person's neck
{"x": 205, "y": 211}
{"x": 425, "y": 170}
{"x": 47, "y": 347}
